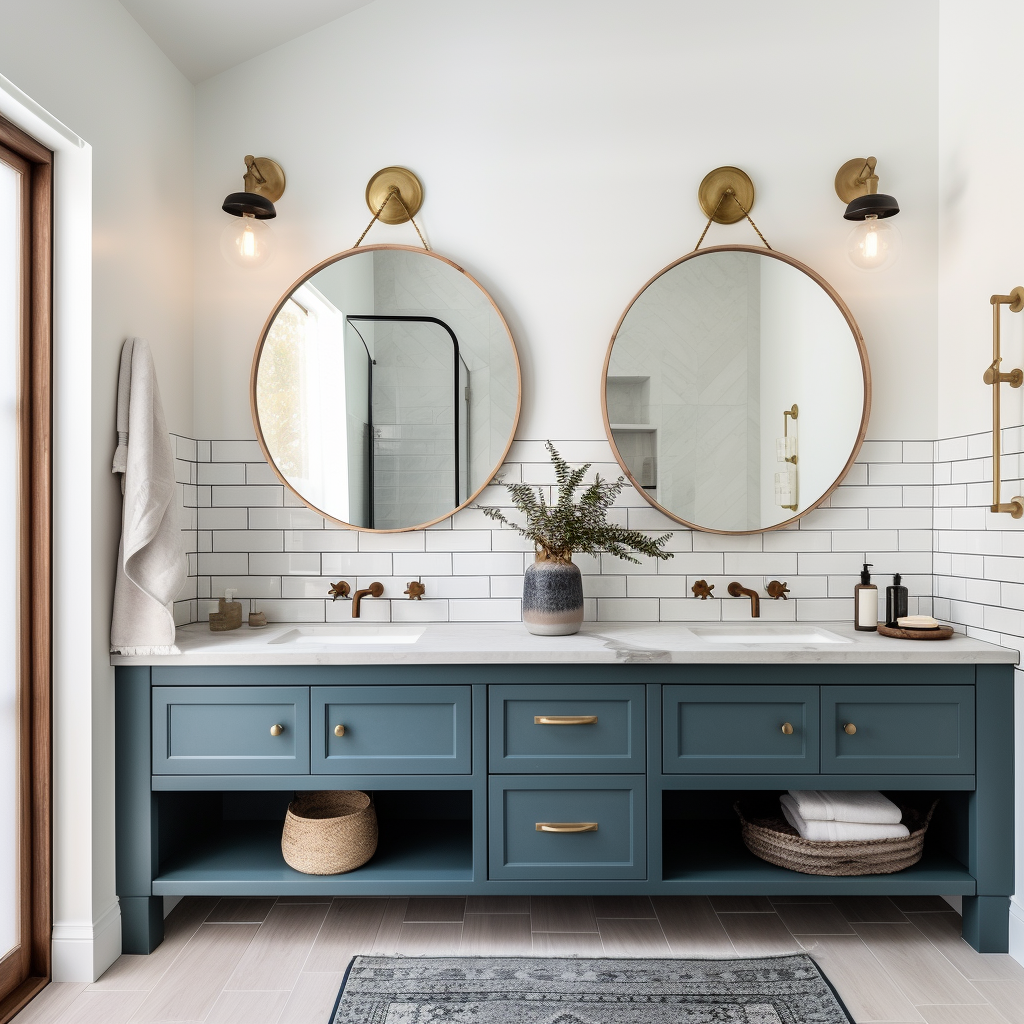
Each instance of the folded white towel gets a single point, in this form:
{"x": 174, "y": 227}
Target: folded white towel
{"x": 151, "y": 560}
{"x": 837, "y": 831}
{"x": 845, "y": 805}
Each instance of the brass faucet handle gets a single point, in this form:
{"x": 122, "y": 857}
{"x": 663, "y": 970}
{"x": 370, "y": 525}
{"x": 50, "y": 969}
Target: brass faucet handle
{"x": 702, "y": 589}
{"x": 339, "y": 589}
{"x": 415, "y": 590}
{"x": 777, "y": 589}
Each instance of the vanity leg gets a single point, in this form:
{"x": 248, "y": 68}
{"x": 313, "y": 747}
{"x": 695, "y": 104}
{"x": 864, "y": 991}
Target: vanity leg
{"x": 987, "y": 923}
{"x": 142, "y": 919}
{"x": 142, "y": 923}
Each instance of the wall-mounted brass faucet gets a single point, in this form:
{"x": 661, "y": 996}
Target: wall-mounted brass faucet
{"x": 373, "y": 590}
{"x": 735, "y": 590}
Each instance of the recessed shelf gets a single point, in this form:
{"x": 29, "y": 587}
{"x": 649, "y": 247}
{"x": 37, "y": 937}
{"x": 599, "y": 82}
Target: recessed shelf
{"x": 244, "y": 858}
{"x": 709, "y": 856}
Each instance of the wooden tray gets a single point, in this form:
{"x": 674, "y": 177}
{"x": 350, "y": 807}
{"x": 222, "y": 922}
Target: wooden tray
{"x": 898, "y": 633}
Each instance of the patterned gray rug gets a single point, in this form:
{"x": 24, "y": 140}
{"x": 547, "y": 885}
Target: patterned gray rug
{"x": 554, "y": 990}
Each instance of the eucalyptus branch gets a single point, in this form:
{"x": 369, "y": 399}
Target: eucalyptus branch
{"x": 570, "y": 525}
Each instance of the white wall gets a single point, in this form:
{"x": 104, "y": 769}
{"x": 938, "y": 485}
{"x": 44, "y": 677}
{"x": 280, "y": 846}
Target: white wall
{"x": 91, "y": 66}
{"x": 561, "y": 146}
{"x": 981, "y": 224}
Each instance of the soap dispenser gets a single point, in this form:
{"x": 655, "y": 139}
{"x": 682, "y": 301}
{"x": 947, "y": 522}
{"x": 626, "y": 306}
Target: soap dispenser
{"x": 865, "y": 602}
{"x": 897, "y": 601}
{"x": 228, "y": 614}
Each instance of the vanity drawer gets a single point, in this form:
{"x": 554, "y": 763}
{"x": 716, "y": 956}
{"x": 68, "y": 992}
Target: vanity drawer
{"x": 612, "y": 809}
{"x": 391, "y": 730}
{"x": 725, "y": 729}
{"x": 230, "y": 730}
{"x": 570, "y": 728}
{"x": 911, "y": 730}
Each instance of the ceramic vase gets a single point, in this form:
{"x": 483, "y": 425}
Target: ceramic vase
{"x": 552, "y": 597}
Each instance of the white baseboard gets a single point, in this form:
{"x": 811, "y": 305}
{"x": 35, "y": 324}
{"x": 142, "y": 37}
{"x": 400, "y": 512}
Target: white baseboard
{"x": 82, "y": 952}
{"x": 1017, "y": 929}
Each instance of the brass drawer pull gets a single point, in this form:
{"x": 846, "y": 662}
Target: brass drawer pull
{"x": 787, "y": 729}
{"x": 276, "y": 730}
{"x": 565, "y": 719}
{"x": 566, "y": 826}
{"x": 339, "y": 730}
{"x": 849, "y": 728}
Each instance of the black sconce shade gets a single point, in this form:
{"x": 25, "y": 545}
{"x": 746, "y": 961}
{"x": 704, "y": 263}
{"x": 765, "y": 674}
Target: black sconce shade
{"x": 238, "y": 204}
{"x": 876, "y": 205}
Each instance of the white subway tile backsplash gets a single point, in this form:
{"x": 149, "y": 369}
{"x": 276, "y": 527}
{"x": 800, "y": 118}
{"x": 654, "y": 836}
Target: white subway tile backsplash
{"x": 412, "y": 540}
{"x": 487, "y": 563}
{"x": 458, "y": 540}
{"x": 625, "y": 609}
{"x": 224, "y": 495}
{"x": 881, "y": 451}
{"x": 493, "y": 610}
{"x": 285, "y": 563}
{"x": 320, "y": 540}
{"x": 235, "y": 451}
{"x": 338, "y": 564}
{"x": 435, "y": 563}
{"x": 248, "y": 540}
{"x": 760, "y": 563}
{"x": 223, "y": 564}
{"x": 220, "y": 473}
{"x": 919, "y": 508}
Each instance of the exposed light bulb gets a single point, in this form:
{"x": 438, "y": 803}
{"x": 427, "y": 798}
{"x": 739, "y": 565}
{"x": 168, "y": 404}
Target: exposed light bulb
{"x": 873, "y": 244}
{"x": 246, "y": 241}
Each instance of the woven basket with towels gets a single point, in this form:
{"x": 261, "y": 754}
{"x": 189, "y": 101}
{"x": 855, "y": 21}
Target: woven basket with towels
{"x": 775, "y": 839}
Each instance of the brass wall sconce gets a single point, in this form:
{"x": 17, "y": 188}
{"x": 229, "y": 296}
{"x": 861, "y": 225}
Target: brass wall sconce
{"x": 994, "y": 377}
{"x": 247, "y": 241}
{"x": 872, "y": 245}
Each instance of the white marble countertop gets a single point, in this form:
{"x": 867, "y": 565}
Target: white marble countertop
{"x": 476, "y": 643}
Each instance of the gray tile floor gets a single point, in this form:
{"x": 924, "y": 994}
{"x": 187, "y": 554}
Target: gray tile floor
{"x": 281, "y": 961}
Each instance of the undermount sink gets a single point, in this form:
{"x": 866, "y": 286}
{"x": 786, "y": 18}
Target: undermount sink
{"x": 766, "y": 634}
{"x": 318, "y": 636}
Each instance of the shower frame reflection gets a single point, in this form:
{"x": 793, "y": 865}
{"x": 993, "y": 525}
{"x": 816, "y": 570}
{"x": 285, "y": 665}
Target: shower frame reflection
{"x": 460, "y": 378}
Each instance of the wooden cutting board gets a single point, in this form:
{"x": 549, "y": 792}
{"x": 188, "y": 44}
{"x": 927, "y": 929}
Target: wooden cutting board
{"x": 898, "y": 633}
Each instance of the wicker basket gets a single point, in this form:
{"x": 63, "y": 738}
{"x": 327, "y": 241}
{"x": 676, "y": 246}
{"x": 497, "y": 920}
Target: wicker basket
{"x": 773, "y": 839}
{"x": 329, "y": 832}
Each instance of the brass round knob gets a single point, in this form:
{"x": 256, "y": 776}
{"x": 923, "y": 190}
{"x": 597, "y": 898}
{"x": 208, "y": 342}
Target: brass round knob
{"x": 849, "y": 728}
{"x": 339, "y": 730}
{"x": 276, "y": 730}
{"x": 787, "y": 729}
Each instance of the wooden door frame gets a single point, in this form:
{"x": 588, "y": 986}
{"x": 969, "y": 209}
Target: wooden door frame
{"x": 29, "y": 964}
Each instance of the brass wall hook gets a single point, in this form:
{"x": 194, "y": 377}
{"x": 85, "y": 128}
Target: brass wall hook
{"x": 993, "y": 376}
{"x": 726, "y": 195}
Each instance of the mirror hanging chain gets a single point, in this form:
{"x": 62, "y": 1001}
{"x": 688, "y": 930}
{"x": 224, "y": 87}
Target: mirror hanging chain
{"x": 395, "y": 193}
{"x": 729, "y": 194}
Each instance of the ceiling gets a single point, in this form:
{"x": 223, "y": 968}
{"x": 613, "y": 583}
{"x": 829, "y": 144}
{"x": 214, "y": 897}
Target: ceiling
{"x": 206, "y": 37}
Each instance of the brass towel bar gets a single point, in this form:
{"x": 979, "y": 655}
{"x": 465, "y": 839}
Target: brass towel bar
{"x": 994, "y": 376}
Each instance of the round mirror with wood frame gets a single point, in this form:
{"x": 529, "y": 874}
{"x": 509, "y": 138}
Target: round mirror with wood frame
{"x": 736, "y": 390}
{"x": 385, "y": 388}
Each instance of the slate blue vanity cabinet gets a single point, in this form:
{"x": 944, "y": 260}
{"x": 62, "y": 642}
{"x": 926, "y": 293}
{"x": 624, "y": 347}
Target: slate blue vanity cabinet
{"x": 602, "y": 779}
